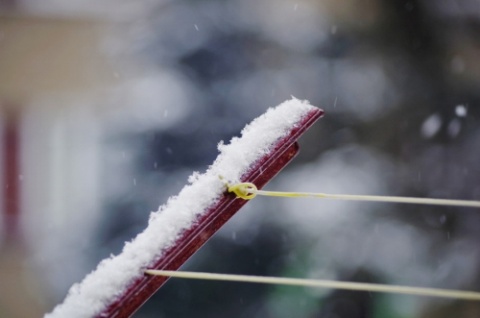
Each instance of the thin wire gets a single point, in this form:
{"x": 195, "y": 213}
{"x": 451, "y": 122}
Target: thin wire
{"x": 376, "y": 198}
{"x": 408, "y": 290}
{"x": 248, "y": 191}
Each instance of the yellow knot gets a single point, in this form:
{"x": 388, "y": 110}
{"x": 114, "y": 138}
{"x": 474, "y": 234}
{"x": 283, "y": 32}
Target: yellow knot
{"x": 244, "y": 190}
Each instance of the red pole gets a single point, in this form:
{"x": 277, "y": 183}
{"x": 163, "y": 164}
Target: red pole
{"x": 11, "y": 177}
{"x": 191, "y": 240}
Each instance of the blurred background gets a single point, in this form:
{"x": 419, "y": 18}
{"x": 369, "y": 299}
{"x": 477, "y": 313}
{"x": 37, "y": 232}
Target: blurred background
{"x": 107, "y": 107}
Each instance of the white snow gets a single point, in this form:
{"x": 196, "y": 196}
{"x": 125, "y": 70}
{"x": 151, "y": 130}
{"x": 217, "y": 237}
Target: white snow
{"x": 461, "y": 110}
{"x": 113, "y": 275}
{"x": 431, "y": 126}
{"x": 454, "y": 127}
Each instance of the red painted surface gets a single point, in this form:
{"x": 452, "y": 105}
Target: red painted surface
{"x": 210, "y": 222}
{"x": 11, "y": 178}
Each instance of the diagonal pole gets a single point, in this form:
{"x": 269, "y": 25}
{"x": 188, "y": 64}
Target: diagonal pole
{"x": 119, "y": 285}
{"x": 191, "y": 240}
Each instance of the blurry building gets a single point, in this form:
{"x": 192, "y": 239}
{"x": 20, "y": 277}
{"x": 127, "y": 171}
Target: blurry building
{"x": 49, "y": 65}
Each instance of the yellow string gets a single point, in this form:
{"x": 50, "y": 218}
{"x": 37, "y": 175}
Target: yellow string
{"x": 248, "y": 191}
{"x": 408, "y": 290}
{"x": 244, "y": 190}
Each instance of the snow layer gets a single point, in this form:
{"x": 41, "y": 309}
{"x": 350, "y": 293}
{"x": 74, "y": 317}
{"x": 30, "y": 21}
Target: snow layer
{"x": 113, "y": 275}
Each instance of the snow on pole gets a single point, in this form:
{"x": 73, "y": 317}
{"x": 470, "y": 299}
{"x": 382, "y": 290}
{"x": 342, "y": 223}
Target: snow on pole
{"x": 118, "y": 286}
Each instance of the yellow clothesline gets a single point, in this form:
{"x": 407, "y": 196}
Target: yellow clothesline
{"x": 408, "y": 290}
{"x": 247, "y": 191}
